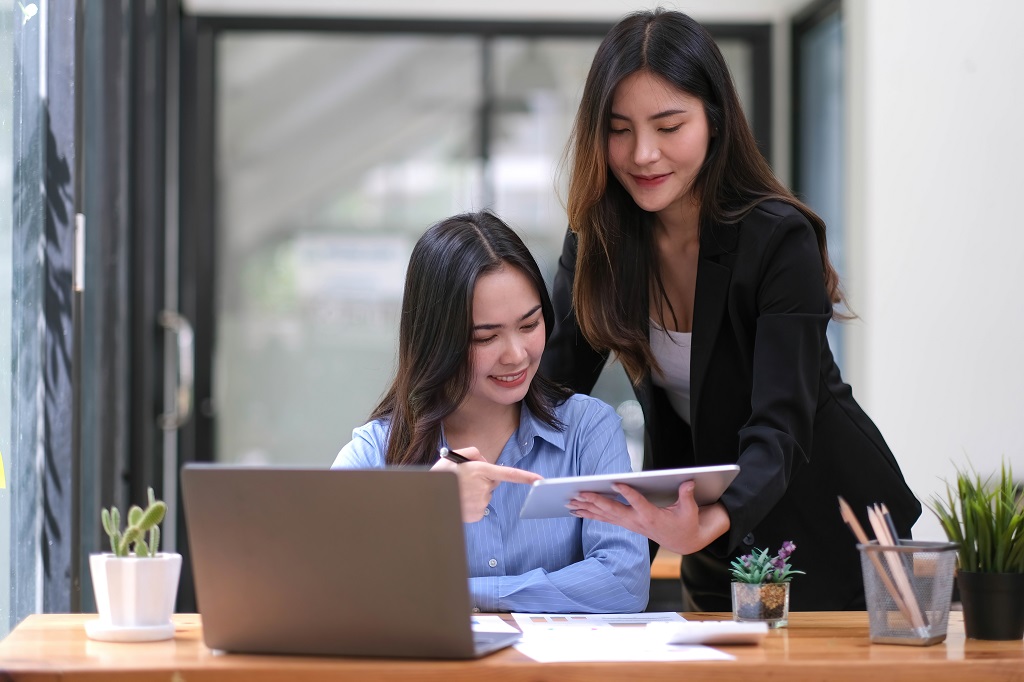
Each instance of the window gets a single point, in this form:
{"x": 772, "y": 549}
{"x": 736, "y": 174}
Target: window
{"x": 334, "y": 150}
{"x": 819, "y": 104}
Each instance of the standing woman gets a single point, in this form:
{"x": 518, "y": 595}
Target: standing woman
{"x": 475, "y": 318}
{"x": 711, "y": 284}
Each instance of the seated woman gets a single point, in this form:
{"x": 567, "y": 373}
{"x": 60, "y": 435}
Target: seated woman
{"x": 475, "y": 319}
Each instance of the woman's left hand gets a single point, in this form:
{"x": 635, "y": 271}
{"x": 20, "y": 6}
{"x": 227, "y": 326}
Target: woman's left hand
{"x": 682, "y": 527}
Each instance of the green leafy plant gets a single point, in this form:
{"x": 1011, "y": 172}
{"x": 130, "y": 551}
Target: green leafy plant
{"x": 986, "y": 519}
{"x": 758, "y": 567}
{"x": 140, "y": 523}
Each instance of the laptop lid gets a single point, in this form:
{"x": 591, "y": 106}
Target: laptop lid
{"x": 314, "y": 561}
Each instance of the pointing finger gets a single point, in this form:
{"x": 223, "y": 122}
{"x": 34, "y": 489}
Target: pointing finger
{"x": 513, "y": 475}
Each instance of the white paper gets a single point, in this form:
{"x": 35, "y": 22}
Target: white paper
{"x": 574, "y": 637}
{"x": 491, "y": 624}
{"x": 551, "y": 622}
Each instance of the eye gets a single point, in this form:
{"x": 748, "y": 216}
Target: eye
{"x": 483, "y": 341}
{"x": 531, "y": 326}
{"x": 671, "y": 129}
{"x": 617, "y": 131}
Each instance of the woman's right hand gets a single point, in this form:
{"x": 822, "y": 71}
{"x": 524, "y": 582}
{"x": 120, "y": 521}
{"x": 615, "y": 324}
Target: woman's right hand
{"x": 682, "y": 527}
{"x": 477, "y": 480}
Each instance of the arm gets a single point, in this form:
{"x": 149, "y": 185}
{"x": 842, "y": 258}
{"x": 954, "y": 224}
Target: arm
{"x": 568, "y": 358}
{"x": 793, "y": 313}
{"x": 614, "y": 573}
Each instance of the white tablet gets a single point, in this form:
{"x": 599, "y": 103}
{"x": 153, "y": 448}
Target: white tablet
{"x": 547, "y": 498}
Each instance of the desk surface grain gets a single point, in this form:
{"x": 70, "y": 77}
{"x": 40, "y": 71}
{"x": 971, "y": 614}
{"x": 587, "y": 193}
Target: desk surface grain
{"x": 815, "y": 646}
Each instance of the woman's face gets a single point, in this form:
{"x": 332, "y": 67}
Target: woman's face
{"x": 657, "y": 140}
{"x": 508, "y": 337}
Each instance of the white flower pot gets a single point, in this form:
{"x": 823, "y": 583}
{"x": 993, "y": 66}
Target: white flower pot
{"x": 135, "y": 592}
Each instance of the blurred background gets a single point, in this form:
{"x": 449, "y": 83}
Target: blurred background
{"x": 207, "y": 206}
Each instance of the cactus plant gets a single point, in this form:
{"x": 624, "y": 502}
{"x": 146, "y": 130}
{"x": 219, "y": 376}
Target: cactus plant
{"x": 140, "y": 523}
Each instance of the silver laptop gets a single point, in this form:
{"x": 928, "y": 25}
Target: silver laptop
{"x": 320, "y": 562}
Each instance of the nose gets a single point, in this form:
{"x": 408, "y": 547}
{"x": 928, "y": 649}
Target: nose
{"x": 514, "y": 352}
{"x": 645, "y": 149}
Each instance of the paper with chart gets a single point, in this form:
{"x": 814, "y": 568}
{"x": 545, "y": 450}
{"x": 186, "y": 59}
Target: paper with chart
{"x": 570, "y": 637}
{"x": 491, "y": 624}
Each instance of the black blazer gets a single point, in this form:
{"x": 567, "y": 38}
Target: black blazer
{"x": 766, "y": 394}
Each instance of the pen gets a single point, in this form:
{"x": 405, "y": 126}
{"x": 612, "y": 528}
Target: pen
{"x": 453, "y": 456}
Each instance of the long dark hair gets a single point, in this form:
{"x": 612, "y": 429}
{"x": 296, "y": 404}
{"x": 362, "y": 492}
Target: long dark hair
{"x": 616, "y": 269}
{"x": 434, "y": 365}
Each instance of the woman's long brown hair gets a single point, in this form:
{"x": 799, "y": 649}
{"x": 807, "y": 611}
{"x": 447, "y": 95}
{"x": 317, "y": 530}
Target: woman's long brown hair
{"x": 436, "y": 328}
{"x": 616, "y": 268}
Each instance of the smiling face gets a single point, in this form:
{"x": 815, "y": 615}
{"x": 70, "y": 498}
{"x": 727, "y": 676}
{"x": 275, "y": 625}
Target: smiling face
{"x": 508, "y": 338}
{"x": 657, "y": 141}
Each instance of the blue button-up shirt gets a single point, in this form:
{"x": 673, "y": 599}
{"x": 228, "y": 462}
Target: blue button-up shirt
{"x": 561, "y": 565}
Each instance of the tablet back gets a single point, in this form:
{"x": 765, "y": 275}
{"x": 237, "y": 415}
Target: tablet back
{"x": 303, "y": 561}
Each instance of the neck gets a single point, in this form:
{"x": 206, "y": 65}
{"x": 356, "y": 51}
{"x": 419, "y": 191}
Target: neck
{"x": 679, "y": 223}
{"x": 485, "y": 427}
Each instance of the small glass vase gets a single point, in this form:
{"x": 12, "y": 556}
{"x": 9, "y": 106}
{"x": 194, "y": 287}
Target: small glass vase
{"x": 764, "y": 602}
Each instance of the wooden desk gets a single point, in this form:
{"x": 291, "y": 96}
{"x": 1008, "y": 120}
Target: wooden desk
{"x": 815, "y": 646}
{"x": 665, "y": 565}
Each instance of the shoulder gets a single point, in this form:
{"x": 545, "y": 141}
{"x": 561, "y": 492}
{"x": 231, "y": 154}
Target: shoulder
{"x": 774, "y": 226}
{"x": 777, "y": 215}
{"x": 580, "y": 407}
{"x": 367, "y": 448}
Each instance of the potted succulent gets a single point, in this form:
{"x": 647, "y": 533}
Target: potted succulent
{"x": 986, "y": 519}
{"x": 135, "y": 584}
{"x": 760, "y": 586}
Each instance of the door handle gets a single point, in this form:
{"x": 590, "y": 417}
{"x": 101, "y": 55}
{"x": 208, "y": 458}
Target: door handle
{"x": 176, "y": 323}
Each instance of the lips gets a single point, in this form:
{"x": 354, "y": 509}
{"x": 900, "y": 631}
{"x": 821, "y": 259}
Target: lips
{"x": 509, "y": 380}
{"x": 649, "y": 180}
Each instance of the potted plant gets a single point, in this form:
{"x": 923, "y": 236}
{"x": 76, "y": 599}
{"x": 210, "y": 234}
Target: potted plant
{"x": 986, "y": 519}
{"x": 760, "y": 586}
{"x": 135, "y": 584}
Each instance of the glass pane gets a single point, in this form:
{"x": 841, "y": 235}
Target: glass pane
{"x": 7, "y": 364}
{"x": 739, "y": 55}
{"x": 334, "y": 153}
{"x": 821, "y": 139}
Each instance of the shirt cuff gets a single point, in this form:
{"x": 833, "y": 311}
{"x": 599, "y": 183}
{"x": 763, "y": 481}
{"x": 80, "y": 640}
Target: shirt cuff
{"x": 485, "y": 593}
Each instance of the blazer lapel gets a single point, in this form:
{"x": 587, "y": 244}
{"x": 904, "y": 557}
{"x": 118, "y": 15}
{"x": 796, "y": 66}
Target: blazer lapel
{"x": 713, "y": 275}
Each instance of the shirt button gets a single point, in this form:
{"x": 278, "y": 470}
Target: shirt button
{"x": 748, "y": 539}
{"x": 492, "y": 563}
{"x": 487, "y": 512}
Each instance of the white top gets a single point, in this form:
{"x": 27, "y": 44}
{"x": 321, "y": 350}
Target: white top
{"x": 672, "y": 351}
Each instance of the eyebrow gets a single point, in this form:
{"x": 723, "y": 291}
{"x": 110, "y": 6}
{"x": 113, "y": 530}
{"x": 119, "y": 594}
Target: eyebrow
{"x": 660, "y": 114}
{"x": 530, "y": 313}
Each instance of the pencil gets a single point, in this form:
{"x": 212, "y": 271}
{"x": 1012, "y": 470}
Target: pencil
{"x": 858, "y": 531}
{"x": 899, "y": 573}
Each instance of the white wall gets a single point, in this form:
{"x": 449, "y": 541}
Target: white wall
{"x": 936, "y": 178}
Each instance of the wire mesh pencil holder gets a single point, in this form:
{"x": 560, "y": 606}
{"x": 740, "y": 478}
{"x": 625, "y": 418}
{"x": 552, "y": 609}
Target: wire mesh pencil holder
{"x": 908, "y": 589}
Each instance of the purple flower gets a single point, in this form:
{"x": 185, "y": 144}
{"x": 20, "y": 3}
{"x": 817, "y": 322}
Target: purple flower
{"x": 779, "y": 563}
{"x": 787, "y": 549}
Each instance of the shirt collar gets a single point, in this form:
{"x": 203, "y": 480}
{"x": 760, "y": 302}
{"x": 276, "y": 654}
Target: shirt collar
{"x": 530, "y": 429}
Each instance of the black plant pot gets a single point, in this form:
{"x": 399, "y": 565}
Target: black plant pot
{"x": 993, "y": 604}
